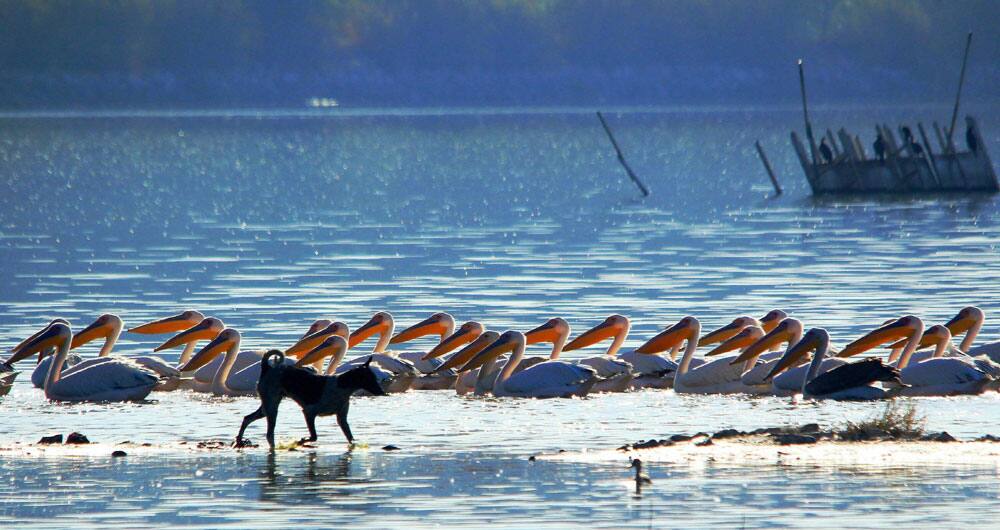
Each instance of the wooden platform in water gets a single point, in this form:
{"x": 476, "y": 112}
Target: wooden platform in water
{"x": 903, "y": 170}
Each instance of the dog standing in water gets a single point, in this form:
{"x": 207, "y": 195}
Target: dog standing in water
{"x": 318, "y": 395}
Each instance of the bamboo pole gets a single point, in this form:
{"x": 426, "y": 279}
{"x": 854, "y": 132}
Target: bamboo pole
{"x": 767, "y": 166}
{"x": 805, "y": 113}
{"x": 958, "y": 96}
{"x": 621, "y": 157}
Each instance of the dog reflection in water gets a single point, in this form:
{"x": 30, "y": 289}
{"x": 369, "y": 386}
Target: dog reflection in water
{"x": 317, "y": 395}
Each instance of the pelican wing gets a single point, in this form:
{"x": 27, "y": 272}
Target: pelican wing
{"x": 649, "y": 364}
{"x": 417, "y": 359}
{"x": 550, "y": 378}
{"x": 41, "y": 370}
{"x": 156, "y": 364}
{"x": 715, "y": 372}
{"x": 244, "y": 359}
{"x": 790, "y": 381}
{"x": 608, "y": 366}
{"x": 942, "y": 371}
{"x": 990, "y": 350}
{"x": 112, "y": 380}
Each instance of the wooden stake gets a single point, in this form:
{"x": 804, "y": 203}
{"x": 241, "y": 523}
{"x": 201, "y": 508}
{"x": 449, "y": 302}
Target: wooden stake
{"x": 958, "y": 96}
{"x": 805, "y": 113}
{"x": 767, "y": 166}
{"x": 621, "y": 157}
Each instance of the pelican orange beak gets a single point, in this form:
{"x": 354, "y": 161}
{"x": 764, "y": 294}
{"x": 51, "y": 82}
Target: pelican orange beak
{"x": 547, "y": 332}
{"x": 316, "y": 326}
{"x": 668, "y": 338}
{"x": 603, "y": 331}
{"x": 436, "y": 324}
{"x": 45, "y": 340}
{"x": 728, "y": 331}
{"x": 965, "y": 320}
{"x": 464, "y": 355}
{"x": 901, "y": 328}
{"x": 785, "y": 331}
{"x": 469, "y": 332}
{"x": 746, "y": 337}
{"x": 174, "y": 324}
{"x": 39, "y": 332}
{"x": 794, "y": 355}
{"x": 101, "y": 328}
{"x": 378, "y": 323}
{"x": 333, "y": 345}
{"x": 219, "y": 344}
{"x": 316, "y": 338}
{"x": 506, "y": 343}
{"x": 207, "y": 329}
{"x": 772, "y": 319}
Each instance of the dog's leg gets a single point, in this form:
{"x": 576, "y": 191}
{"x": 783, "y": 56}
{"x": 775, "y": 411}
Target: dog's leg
{"x": 271, "y": 410}
{"x": 247, "y": 420}
{"x": 342, "y": 421}
{"x": 311, "y": 423}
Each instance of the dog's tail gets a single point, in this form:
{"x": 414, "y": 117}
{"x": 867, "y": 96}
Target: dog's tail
{"x": 265, "y": 363}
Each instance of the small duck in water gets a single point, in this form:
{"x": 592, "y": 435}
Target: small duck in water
{"x": 641, "y": 478}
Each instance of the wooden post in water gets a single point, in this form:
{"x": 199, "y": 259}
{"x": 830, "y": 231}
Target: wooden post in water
{"x": 767, "y": 166}
{"x": 621, "y": 157}
{"x": 958, "y": 96}
{"x": 805, "y": 113}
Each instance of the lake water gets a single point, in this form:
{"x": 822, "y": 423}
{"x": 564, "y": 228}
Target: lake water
{"x": 270, "y": 219}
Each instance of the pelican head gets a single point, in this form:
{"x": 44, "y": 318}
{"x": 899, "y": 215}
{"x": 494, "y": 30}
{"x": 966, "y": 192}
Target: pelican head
{"x": 464, "y": 355}
{"x": 172, "y": 324}
{"x": 317, "y": 325}
{"x": 745, "y": 338}
{"x": 54, "y": 335}
{"x": 551, "y": 331}
{"x": 333, "y": 345}
{"x": 509, "y": 341}
{"x": 440, "y": 324}
{"x": 224, "y": 340}
{"x": 811, "y": 341}
{"x": 902, "y": 327}
{"x": 39, "y": 332}
{"x": 105, "y": 326}
{"x": 207, "y": 329}
{"x": 772, "y": 319}
{"x": 686, "y": 328}
{"x": 966, "y": 319}
{"x": 788, "y": 330}
{"x": 613, "y": 326}
{"x": 314, "y": 339}
{"x": 465, "y": 334}
{"x": 380, "y": 322}
{"x": 728, "y": 331}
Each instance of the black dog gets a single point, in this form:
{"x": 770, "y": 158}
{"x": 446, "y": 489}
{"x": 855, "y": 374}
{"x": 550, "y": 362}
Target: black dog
{"x": 318, "y": 395}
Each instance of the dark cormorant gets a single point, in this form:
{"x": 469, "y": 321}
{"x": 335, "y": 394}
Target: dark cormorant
{"x": 879, "y": 147}
{"x": 824, "y": 152}
{"x": 970, "y": 139}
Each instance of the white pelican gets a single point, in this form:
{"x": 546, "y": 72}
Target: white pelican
{"x": 615, "y": 374}
{"x": 789, "y": 382}
{"x": 713, "y": 377}
{"x": 334, "y": 346}
{"x": 478, "y": 381}
{"x": 469, "y": 336}
{"x": 8, "y": 372}
{"x": 201, "y": 379}
{"x": 848, "y": 382}
{"x": 441, "y": 324}
{"x": 227, "y": 381}
{"x": 111, "y": 380}
{"x": 936, "y": 376}
{"x": 544, "y": 380}
{"x": 743, "y": 341}
{"x": 404, "y": 373}
{"x": 316, "y": 335}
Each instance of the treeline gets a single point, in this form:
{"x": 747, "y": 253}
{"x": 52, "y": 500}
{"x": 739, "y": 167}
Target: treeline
{"x": 239, "y": 49}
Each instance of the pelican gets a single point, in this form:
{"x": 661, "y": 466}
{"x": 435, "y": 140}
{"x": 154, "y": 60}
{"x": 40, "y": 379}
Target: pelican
{"x": 554, "y": 330}
{"x": 936, "y": 376}
{"x": 848, "y": 382}
{"x": 478, "y": 381}
{"x": 9, "y": 374}
{"x": 404, "y": 373}
{"x": 744, "y": 340}
{"x": 789, "y": 382}
{"x": 111, "y": 380}
{"x": 316, "y": 335}
{"x": 227, "y": 381}
{"x": 208, "y": 329}
{"x": 334, "y": 346}
{"x": 713, "y": 377}
{"x": 968, "y": 321}
{"x": 543, "y": 380}
{"x": 470, "y": 336}
{"x": 441, "y": 324}
{"x": 615, "y": 375}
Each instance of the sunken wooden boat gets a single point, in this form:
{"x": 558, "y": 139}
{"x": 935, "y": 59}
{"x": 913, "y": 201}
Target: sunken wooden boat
{"x": 910, "y": 166}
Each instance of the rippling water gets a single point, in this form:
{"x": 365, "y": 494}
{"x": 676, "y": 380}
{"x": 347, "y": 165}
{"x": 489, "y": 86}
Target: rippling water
{"x": 271, "y": 219}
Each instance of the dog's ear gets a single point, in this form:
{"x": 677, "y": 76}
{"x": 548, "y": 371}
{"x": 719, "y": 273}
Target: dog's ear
{"x": 368, "y": 362}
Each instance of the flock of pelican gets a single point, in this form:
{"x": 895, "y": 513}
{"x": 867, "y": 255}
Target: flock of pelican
{"x": 773, "y": 355}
